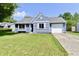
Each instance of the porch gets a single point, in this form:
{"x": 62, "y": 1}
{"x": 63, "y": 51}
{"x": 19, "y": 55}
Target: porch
{"x": 23, "y": 27}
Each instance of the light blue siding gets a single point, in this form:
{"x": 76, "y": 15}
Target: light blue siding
{"x": 38, "y": 20}
{"x": 48, "y": 28}
{"x": 64, "y": 27}
{"x": 78, "y": 27}
{"x": 44, "y": 30}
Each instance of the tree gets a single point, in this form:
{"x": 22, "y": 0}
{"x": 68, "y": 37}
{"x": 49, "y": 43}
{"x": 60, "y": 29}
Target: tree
{"x": 68, "y": 17}
{"x": 71, "y": 20}
{"x": 6, "y": 10}
{"x": 75, "y": 18}
{"x": 9, "y": 19}
{"x": 60, "y": 15}
{"x": 69, "y": 25}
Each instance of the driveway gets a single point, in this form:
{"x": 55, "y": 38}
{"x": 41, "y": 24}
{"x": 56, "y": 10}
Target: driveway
{"x": 69, "y": 42}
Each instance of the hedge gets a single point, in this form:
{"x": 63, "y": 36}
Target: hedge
{"x": 5, "y": 29}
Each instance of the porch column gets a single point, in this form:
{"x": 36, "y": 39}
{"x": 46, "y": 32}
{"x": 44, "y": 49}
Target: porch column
{"x": 30, "y": 27}
{"x": 25, "y": 26}
{"x": 18, "y": 26}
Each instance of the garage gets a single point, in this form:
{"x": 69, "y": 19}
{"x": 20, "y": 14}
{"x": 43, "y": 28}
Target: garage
{"x": 57, "y": 28}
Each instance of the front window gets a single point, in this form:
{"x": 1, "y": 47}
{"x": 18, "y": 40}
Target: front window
{"x": 41, "y": 26}
{"x": 9, "y": 26}
{"x": 16, "y": 25}
{"x": 27, "y": 25}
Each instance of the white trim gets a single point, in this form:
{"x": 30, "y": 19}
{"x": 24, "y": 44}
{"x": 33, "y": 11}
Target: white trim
{"x": 37, "y": 25}
{"x": 41, "y": 28}
{"x": 44, "y": 25}
{"x": 41, "y": 17}
{"x": 41, "y": 21}
{"x": 56, "y": 30}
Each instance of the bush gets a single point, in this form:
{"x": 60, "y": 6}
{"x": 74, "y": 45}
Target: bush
{"x": 5, "y": 29}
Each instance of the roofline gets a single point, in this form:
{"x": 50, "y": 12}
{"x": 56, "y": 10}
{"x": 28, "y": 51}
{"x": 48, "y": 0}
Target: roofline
{"x": 22, "y": 23}
{"x": 57, "y": 22}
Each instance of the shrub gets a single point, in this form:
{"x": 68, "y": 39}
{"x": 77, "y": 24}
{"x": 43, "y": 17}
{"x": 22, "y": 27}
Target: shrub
{"x": 5, "y": 29}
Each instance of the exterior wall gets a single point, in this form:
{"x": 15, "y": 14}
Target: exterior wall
{"x": 47, "y": 28}
{"x": 44, "y": 30}
{"x": 78, "y": 27}
{"x": 5, "y": 26}
{"x": 64, "y": 29}
{"x": 13, "y": 28}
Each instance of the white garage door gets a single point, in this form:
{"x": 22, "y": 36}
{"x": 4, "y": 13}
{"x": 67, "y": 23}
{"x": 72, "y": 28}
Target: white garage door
{"x": 57, "y": 28}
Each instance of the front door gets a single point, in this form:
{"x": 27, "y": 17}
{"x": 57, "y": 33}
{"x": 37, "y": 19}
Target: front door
{"x": 31, "y": 27}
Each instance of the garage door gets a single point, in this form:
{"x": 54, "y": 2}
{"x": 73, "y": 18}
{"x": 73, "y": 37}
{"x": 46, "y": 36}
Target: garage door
{"x": 57, "y": 28}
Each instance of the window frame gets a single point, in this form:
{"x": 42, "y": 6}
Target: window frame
{"x": 41, "y": 26}
{"x": 27, "y": 25}
{"x": 16, "y": 25}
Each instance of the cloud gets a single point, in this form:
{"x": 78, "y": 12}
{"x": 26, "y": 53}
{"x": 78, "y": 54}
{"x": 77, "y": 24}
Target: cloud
{"x": 19, "y": 15}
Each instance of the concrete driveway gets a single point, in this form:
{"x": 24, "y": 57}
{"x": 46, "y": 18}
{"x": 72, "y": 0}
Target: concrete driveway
{"x": 69, "y": 42}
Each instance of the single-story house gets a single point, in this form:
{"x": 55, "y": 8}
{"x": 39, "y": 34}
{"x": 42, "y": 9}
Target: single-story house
{"x": 5, "y": 25}
{"x": 40, "y": 24}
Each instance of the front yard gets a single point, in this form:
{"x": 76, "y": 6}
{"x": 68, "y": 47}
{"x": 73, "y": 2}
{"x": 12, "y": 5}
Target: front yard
{"x": 29, "y": 45}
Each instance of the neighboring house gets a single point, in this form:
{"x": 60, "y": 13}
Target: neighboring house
{"x": 40, "y": 24}
{"x": 5, "y": 25}
{"x": 77, "y": 27}
{"x": 73, "y": 28}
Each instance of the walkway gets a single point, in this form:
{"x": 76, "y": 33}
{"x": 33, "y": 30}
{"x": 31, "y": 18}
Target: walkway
{"x": 69, "y": 42}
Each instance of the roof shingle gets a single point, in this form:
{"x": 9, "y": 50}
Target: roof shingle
{"x": 57, "y": 20}
{"x": 29, "y": 19}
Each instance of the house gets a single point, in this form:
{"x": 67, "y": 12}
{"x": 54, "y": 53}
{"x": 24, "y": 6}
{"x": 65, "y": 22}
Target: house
{"x": 40, "y": 24}
{"x": 5, "y": 25}
{"x": 77, "y": 27}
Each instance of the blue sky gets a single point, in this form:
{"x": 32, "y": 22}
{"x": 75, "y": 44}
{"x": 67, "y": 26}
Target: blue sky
{"x": 48, "y": 9}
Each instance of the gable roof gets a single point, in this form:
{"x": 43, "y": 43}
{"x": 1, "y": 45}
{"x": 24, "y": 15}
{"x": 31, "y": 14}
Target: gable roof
{"x": 41, "y": 17}
{"x": 57, "y": 20}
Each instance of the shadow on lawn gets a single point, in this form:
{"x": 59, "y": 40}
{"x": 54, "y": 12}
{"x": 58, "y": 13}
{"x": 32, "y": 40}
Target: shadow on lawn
{"x": 7, "y": 33}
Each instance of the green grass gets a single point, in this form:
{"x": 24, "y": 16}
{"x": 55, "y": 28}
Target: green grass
{"x": 74, "y": 33}
{"x": 25, "y": 44}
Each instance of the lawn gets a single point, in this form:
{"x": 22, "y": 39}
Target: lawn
{"x": 74, "y": 33}
{"x": 25, "y": 44}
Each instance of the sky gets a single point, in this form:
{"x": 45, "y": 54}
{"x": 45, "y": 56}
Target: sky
{"x": 48, "y": 9}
